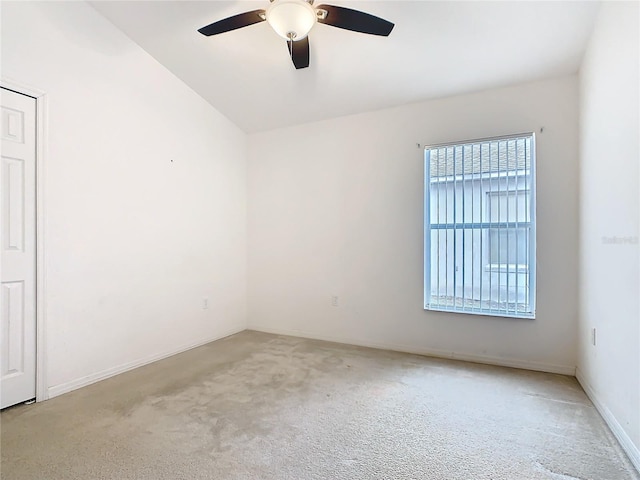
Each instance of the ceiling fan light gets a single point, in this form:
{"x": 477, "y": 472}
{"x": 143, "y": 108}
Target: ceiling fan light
{"x": 291, "y": 19}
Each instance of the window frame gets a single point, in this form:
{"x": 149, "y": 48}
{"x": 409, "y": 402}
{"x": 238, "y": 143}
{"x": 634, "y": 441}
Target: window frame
{"x": 531, "y": 268}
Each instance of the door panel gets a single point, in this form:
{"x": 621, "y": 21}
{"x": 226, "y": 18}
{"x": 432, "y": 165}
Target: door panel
{"x": 13, "y": 343}
{"x": 13, "y": 187}
{"x": 18, "y": 256}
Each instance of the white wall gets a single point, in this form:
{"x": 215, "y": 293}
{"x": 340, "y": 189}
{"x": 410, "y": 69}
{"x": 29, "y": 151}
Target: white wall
{"x": 335, "y": 208}
{"x": 609, "y": 213}
{"x": 134, "y": 241}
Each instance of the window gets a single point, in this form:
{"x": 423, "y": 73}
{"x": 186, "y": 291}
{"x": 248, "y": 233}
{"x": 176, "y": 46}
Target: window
{"x": 480, "y": 227}
{"x": 508, "y": 247}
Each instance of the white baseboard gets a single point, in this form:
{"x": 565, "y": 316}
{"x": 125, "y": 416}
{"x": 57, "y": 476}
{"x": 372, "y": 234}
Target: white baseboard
{"x": 632, "y": 451}
{"x": 110, "y": 372}
{"x": 502, "y": 362}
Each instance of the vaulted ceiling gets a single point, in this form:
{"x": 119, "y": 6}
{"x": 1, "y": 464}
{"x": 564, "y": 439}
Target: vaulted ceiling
{"x": 436, "y": 49}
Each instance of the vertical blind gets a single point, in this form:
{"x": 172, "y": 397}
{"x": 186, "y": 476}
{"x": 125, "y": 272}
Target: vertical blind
{"x": 480, "y": 226}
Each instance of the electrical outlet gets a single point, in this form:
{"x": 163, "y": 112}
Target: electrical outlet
{"x": 593, "y": 336}
{"x": 205, "y": 303}
{"x": 334, "y": 300}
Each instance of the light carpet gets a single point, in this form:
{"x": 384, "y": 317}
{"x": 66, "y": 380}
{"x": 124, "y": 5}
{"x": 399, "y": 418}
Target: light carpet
{"x": 260, "y": 406}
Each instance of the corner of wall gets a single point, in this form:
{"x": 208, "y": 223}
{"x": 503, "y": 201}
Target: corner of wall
{"x": 618, "y": 431}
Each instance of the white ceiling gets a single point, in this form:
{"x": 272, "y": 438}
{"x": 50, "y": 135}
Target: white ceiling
{"x": 436, "y": 49}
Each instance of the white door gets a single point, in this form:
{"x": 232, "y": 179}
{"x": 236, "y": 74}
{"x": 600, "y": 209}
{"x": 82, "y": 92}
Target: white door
{"x": 18, "y": 256}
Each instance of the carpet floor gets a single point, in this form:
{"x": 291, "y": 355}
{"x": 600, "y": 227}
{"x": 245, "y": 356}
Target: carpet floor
{"x": 260, "y": 406}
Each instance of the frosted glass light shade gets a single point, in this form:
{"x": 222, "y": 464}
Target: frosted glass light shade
{"x": 291, "y": 19}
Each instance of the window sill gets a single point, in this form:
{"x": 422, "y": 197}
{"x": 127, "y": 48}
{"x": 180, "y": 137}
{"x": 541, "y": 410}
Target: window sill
{"x": 485, "y": 312}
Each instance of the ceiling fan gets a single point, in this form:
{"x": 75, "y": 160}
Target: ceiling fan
{"x": 294, "y": 19}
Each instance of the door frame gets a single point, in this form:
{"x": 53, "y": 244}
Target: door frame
{"x": 42, "y": 99}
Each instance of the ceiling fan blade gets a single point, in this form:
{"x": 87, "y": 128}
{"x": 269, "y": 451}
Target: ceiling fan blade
{"x": 232, "y": 23}
{"x": 299, "y": 52}
{"x": 355, "y": 20}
